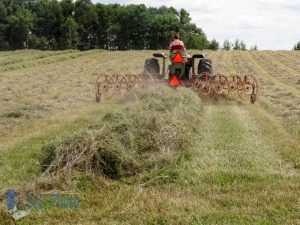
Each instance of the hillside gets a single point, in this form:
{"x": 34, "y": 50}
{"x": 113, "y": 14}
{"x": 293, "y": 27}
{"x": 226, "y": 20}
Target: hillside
{"x": 242, "y": 167}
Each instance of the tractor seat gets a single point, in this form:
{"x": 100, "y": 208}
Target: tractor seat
{"x": 183, "y": 54}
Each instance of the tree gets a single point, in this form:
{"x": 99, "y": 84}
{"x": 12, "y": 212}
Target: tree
{"x": 104, "y": 18}
{"x": 49, "y": 18}
{"x": 60, "y": 24}
{"x": 243, "y": 46}
{"x": 4, "y": 44}
{"x": 162, "y": 28}
{"x": 87, "y": 20}
{"x": 297, "y": 46}
{"x": 236, "y": 45}
{"x": 35, "y": 42}
{"x": 227, "y": 45}
{"x": 253, "y": 48}
{"x": 69, "y": 35}
{"x": 193, "y": 36}
{"x": 20, "y": 26}
{"x": 3, "y": 26}
{"x": 184, "y": 17}
{"x": 239, "y": 45}
{"x": 135, "y": 27}
{"x": 214, "y": 45}
{"x": 12, "y": 6}
{"x": 68, "y": 8}
{"x": 113, "y": 26}
{"x": 3, "y": 12}
{"x": 198, "y": 42}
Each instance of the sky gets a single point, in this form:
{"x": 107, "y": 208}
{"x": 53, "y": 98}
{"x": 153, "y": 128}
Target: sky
{"x": 270, "y": 24}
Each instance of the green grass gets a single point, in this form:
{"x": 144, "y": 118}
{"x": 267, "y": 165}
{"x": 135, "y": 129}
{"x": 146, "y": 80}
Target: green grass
{"x": 22, "y": 161}
{"x": 216, "y": 181}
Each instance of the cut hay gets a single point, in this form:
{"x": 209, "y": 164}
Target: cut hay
{"x": 145, "y": 136}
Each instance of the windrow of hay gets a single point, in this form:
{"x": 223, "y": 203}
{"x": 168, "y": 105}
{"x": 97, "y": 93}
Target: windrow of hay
{"x": 145, "y": 136}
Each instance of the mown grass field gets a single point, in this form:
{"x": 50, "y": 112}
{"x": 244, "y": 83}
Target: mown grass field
{"x": 242, "y": 168}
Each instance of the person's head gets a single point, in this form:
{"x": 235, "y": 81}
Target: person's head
{"x": 176, "y": 36}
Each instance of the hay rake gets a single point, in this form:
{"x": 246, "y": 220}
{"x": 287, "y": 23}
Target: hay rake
{"x": 180, "y": 73}
{"x": 110, "y": 85}
{"x": 219, "y": 84}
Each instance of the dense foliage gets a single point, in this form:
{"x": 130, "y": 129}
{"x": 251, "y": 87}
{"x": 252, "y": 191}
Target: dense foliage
{"x": 52, "y": 24}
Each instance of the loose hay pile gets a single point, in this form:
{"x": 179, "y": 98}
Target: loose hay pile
{"x": 145, "y": 136}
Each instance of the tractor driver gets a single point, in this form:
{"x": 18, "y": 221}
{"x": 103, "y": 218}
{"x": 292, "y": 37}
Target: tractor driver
{"x": 176, "y": 44}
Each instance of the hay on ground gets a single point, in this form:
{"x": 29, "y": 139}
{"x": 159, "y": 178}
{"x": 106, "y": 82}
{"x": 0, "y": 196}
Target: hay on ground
{"x": 147, "y": 135}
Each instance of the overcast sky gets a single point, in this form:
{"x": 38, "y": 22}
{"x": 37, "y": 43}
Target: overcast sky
{"x": 271, "y": 24}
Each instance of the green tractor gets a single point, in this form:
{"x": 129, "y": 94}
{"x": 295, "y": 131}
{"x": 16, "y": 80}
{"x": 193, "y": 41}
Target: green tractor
{"x": 182, "y": 72}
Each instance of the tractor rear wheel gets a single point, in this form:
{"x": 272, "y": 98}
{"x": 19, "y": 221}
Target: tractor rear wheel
{"x": 152, "y": 67}
{"x": 205, "y": 66}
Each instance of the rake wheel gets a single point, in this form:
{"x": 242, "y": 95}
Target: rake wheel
{"x": 247, "y": 87}
{"x": 218, "y": 87}
{"x": 130, "y": 86}
{"x": 205, "y": 88}
{"x": 232, "y": 86}
{"x": 117, "y": 86}
{"x": 104, "y": 88}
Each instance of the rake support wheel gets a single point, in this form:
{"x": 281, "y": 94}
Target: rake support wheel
{"x": 220, "y": 84}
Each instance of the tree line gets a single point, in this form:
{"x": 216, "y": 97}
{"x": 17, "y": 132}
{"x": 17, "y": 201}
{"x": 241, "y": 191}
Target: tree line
{"x": 58, "y": 25}
{"x": 237, "y": 45}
